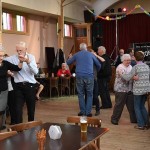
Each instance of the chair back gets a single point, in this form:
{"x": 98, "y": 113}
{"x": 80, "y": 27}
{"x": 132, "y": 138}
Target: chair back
{"x": 54, "y": 84}
{"x": 148, "y": 102}
{"x": 92, "y": 122}
{"x": 5, "y": 135}
{"x": 24, "y": 126}
{"x": 65, "y": 84}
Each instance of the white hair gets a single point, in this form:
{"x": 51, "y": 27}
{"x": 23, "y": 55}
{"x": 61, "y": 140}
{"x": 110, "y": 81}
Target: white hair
{"x": 102, "y": 48}
{"x": 21, "y": 44}
{"x": 83, "y": 46}
{"x": 125, "y": 56}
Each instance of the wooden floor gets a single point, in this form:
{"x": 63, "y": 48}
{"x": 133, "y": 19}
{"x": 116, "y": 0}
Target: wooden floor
{"x": 120, "y": 137}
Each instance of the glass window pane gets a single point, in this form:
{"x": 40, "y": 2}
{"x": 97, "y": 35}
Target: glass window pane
{"x": 21, "y": 23}
{"x": 68, "y": 30}
{"x": 7, "y": 21}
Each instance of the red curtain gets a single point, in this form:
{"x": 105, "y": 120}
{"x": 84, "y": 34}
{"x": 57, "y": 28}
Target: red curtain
{"x": 133, "y": 28}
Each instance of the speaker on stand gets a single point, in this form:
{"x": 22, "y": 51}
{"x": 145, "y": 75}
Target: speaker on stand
{"x": 97, "y": 35}
{"x": 88, "y": 16}
{"x": 50, "y": 57}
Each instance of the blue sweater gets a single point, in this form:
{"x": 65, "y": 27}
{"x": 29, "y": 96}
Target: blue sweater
{"x": 85, "y": 61}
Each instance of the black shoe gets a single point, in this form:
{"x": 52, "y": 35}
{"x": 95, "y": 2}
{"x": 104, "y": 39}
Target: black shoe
{"x": 80, "y": 114}
{"x": 114, "y": 122}
{"x": 97, "y": 113}
{"x": 89, "y": 115}
{"x": 12, "y": 123}
{"x": 2, "y": 127}
{"x": 104, "y": 107}
{"x": 133, "y": 121}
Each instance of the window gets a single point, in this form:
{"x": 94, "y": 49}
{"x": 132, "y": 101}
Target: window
{"x": 21, "y": 23}
{"x": 68, "y": 30}
{"x": 7, "y": 21}
{"x": 14, "y": 22}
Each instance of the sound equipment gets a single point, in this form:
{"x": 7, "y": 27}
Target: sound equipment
{"x": 50, "y": 56}
{"x": 97, "y": 35}
{"x": 145, "y": 47}
{"x": 88, "y": 17}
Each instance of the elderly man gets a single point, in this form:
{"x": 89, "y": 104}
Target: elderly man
{"x": 118, "y": 58}
{"x": 24, "y": 82}
{"x": 84, "y": 78}
{"x": 104, "y": 76}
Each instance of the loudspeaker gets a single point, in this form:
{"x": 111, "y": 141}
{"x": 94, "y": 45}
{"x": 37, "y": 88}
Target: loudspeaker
{"x": 50, "y": 56}
{"x": 97, "y": 35}
{"x": 88, "y": 16}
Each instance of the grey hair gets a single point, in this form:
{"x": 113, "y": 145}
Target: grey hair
{"x": 83, "y": 46}
{"x": 21, "y": 44}
{"x": 63, "y": 64}
{"x": 125, "y": 56}
{"x": 102, "y": 48}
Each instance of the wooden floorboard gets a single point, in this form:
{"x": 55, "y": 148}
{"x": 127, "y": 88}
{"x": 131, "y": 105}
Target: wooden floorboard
{"x": 120, "y": 137}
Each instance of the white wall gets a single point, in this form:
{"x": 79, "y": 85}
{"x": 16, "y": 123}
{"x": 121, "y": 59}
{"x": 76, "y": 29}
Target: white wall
{"x": 73, "y": 10}
{"x": 32, "y": 40}
{"x": 100, "y": 5}
{"x": 41, "y": 35}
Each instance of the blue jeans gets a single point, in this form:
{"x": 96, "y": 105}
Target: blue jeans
{"x": 85, "y": 84}
{"x": 140, "y": 110}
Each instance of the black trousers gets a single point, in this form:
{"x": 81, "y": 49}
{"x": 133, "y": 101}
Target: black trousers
{"x": 24, "y": 92}
{"x": 95, "y": 95}
{"x": 122, "y": 98}
{"x": 11, "y": 105}
{"x": 103, "y": 84}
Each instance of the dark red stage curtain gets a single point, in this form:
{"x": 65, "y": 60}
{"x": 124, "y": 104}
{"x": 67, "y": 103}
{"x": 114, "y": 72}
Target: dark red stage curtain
{"x": 133, "y": 28}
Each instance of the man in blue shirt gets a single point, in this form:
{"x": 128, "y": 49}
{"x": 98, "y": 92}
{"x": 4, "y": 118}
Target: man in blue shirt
{"x": 84, "y": 77}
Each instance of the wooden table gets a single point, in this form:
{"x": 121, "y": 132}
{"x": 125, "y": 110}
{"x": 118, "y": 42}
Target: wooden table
{"x": 70, "y": 140}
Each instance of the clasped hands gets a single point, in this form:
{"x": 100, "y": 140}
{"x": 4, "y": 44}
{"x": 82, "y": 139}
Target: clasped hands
{"x": 24, "y": 59}
{"x": 135, "y": 77}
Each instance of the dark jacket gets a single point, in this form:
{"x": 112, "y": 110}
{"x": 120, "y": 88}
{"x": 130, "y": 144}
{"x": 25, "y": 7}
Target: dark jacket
{"x": 118, "y": 61}
{"x": 3, "y": 73}
{"x": 105, "y": 70}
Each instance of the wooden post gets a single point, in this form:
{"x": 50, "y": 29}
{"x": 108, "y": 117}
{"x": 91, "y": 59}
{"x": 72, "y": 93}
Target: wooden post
{"x": 0, "y": 24}
{"x": 61, "y": 26}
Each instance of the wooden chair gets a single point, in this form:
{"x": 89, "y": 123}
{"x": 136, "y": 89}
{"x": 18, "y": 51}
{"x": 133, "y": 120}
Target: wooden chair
{"x": 5, "y": 135}
{"x": 148, "y": 103}
{"x": 54, "y": 84}
{"x": 92, "y": 122}
{"x": 73, "y": 85}
{"x": 65, "y": 84}
{"x": 24, "y": 126}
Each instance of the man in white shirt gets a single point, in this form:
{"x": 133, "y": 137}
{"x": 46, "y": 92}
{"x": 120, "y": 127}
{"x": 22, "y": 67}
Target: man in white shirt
{"x": 24, "y": 82}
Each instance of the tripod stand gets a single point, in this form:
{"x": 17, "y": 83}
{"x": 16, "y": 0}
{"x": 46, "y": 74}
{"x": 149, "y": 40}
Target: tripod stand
{"x": 116, "y": 48}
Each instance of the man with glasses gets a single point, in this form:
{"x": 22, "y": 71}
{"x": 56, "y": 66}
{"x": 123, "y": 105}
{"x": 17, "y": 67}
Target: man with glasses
{"x": 24, "y": 85}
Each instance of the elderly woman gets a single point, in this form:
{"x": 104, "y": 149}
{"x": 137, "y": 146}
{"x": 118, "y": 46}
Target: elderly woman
{"x": 63, "y": 71}
{"x": 123, "y": 92}
{"x": 4, "y": 67}
{"x": 140, "y": 89}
